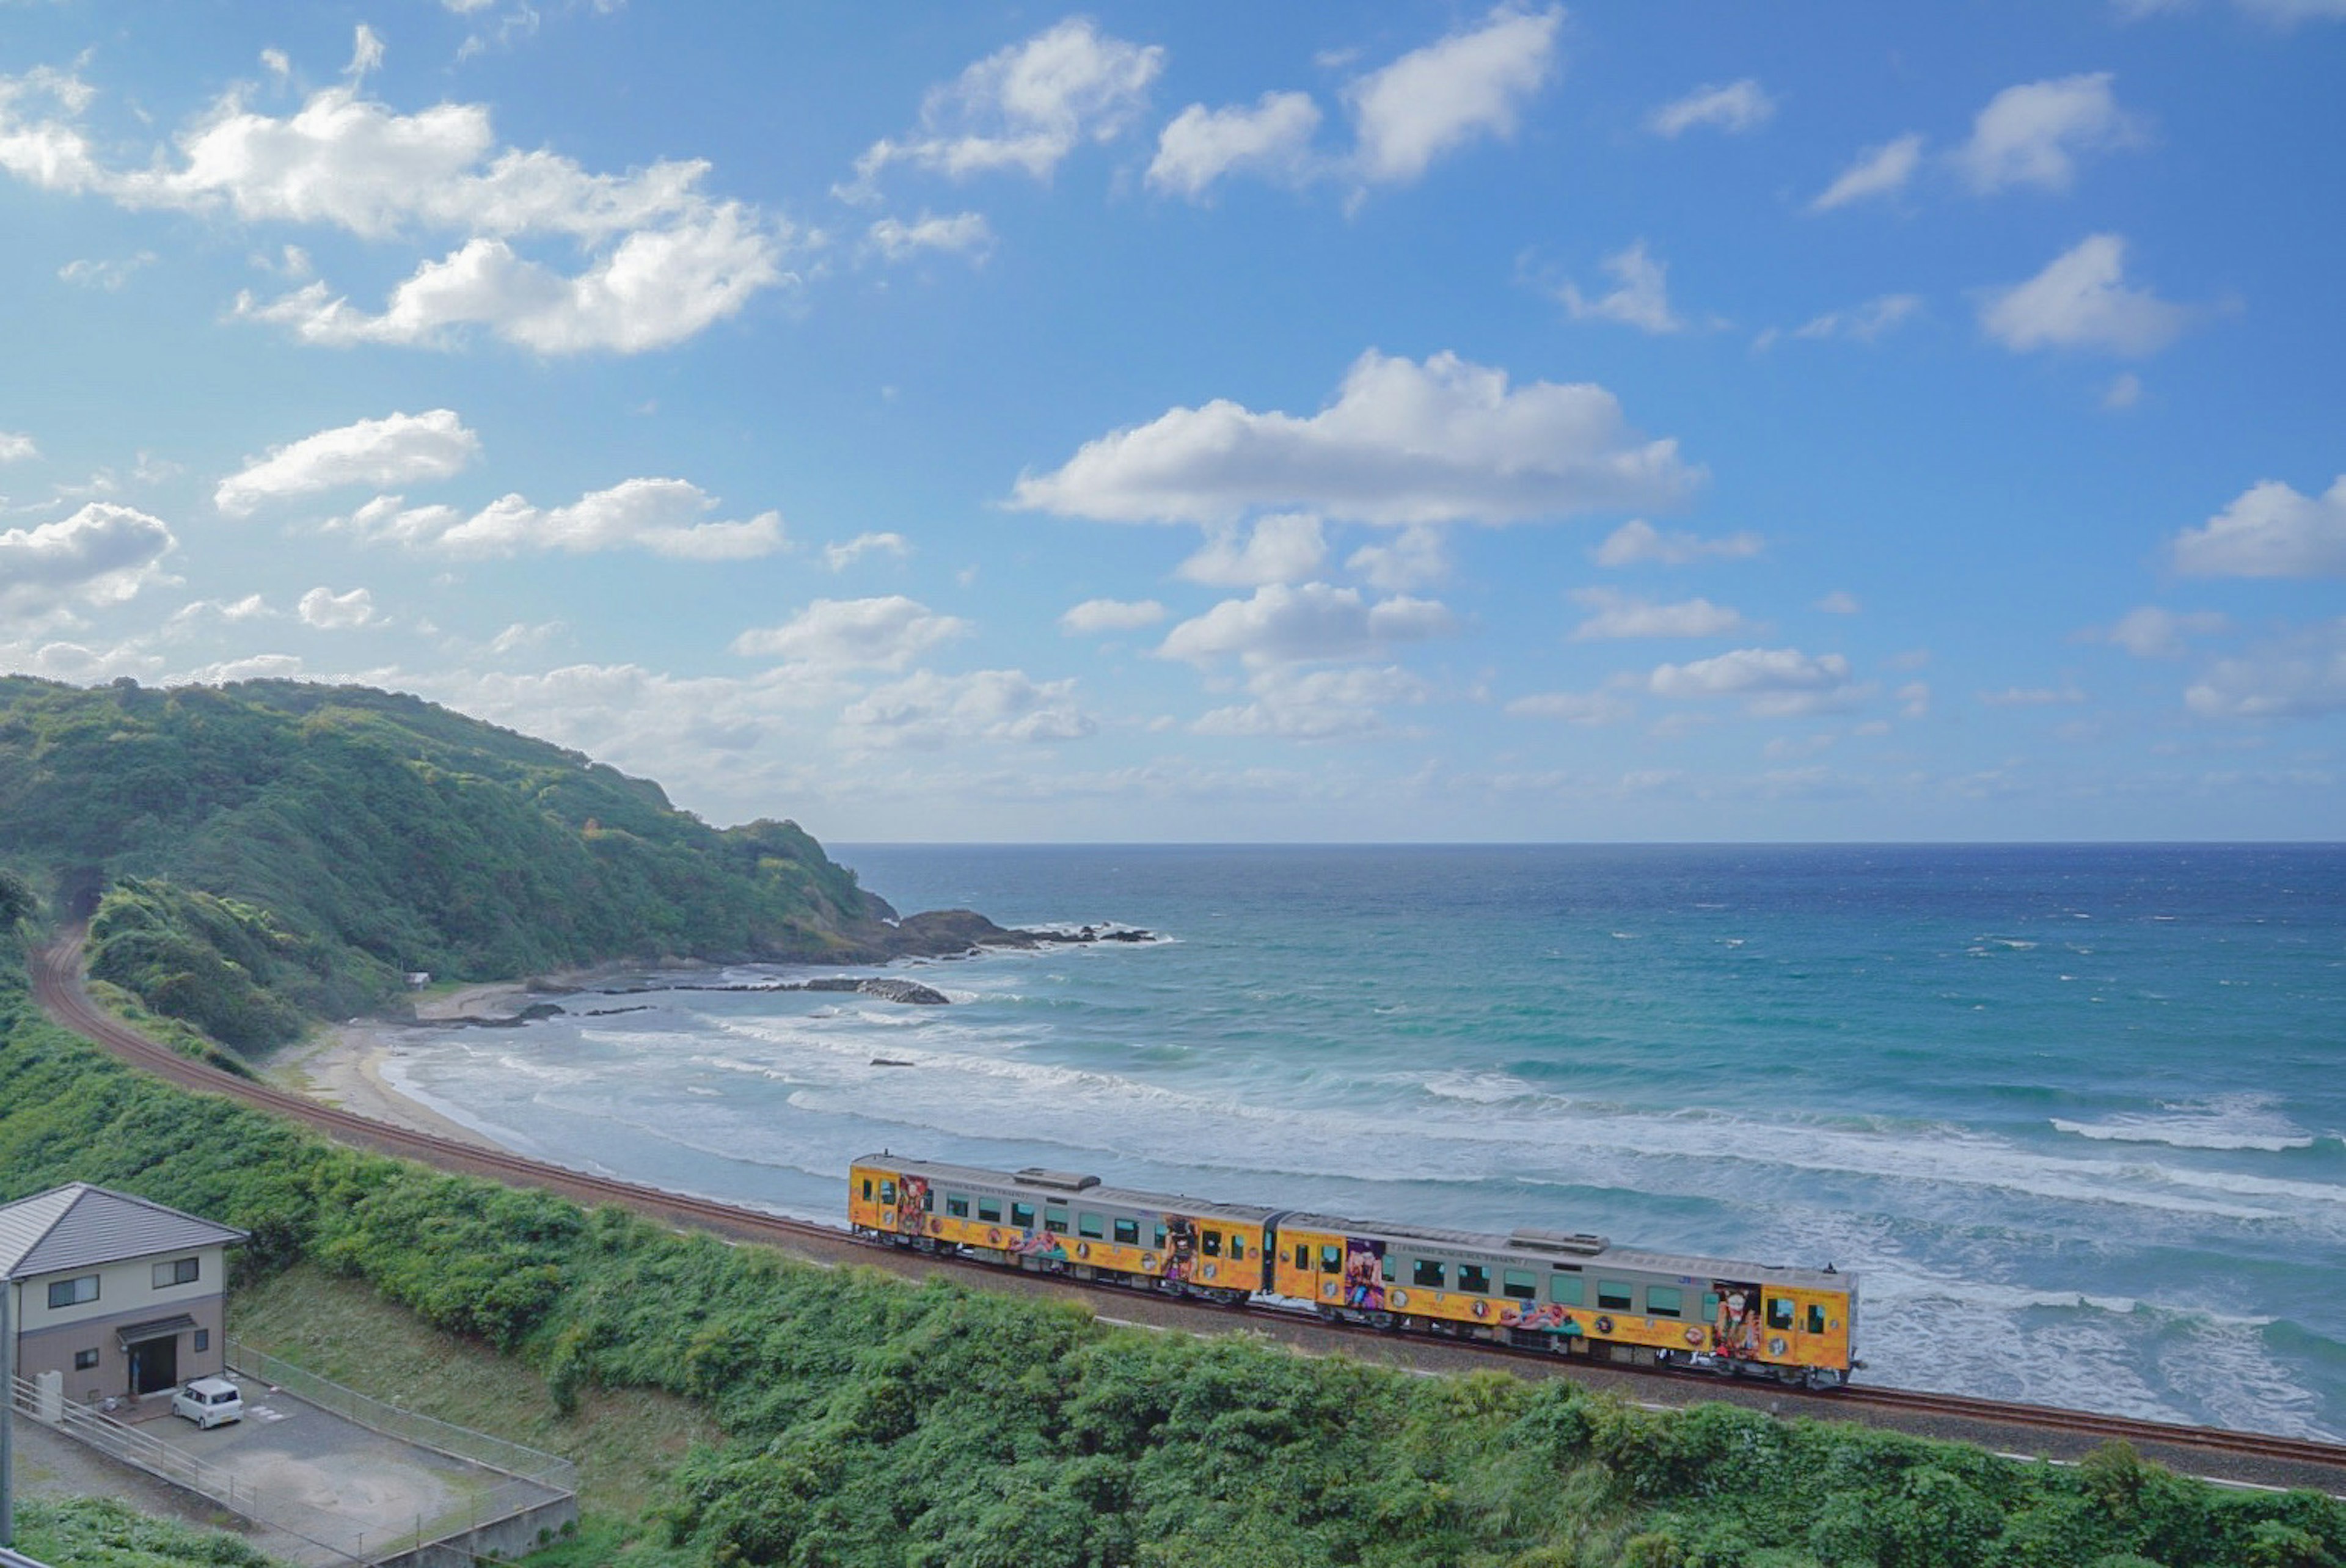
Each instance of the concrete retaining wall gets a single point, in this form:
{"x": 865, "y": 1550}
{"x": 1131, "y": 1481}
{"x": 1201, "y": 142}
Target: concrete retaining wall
{"x": 514, "y": 1536}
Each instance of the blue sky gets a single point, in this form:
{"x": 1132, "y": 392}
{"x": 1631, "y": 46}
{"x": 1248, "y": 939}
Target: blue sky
{"x": 1407, "y": 422}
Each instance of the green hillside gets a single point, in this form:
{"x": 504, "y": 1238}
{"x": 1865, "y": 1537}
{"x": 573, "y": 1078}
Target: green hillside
{"x": 257, "y": 854}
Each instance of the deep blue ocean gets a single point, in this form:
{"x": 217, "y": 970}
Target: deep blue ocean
{"x": 2075, "y": 1114}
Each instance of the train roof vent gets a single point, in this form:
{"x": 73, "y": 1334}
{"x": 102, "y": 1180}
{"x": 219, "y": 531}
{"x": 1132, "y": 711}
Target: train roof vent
{"x": 1578, "y": 1241}
{"x": 1066, "y": 1181}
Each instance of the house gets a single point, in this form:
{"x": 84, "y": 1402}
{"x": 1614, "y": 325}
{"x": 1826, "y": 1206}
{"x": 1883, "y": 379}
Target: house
{"x": 121, "y": 1296}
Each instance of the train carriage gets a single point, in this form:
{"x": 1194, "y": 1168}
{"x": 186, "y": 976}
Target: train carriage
{"x": 1061, "y": 1222}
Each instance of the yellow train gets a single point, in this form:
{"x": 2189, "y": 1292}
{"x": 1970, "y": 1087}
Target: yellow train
{"x": 1574, "y": 1294}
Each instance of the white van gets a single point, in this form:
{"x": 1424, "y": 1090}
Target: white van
{"x": 208, "y": 1402}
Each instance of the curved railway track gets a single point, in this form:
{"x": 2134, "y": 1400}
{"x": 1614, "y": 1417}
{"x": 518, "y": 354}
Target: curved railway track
{"x": 57, "y": 988}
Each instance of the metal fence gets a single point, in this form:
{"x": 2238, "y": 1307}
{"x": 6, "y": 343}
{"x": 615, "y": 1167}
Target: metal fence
{"x": 545, "y": 1470}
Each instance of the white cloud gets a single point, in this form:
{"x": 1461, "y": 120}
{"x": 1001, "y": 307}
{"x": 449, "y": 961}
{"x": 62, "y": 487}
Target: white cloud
{"x": 2271, "y": 530}
{"x": 1273, "y": 139}
{"x": 251, "y": 607}
{"x": 102, "y": 555}
{"x": 839, "y": 557}
{"x": 15, "y": 446}
{"x": 1877, "y": 171}
{"x": 2081, "y": 301}
{"x": 1640, "y": 543}
{"x": 2033, "y": 697}
{"x": 1445, "y": 440}
{"x": 2125, "y": 392}
{"x": 2032, "y": 134}
{"x": 961, "y": 234}
{"x": 2150, "y": 632}
{"x": 656, "y": 288}
{"x": 929, "y": 710}
{"x": 1413, "y": 559}
{"x": 1914, "y": 699}
{"x": 2288, "y": 13}
{"x": 329, "y": 611}
{"x": 886, "y": 633}
{"x": 1772, "y": 682}
{"x": 2301, "y": 674}
{"x": 1316, "y": 705}
{"x": 1435, "y": 99}
{"x": 1312, "y": 623}
{"x": 1642, "y": 300}
{"x": 109, "y": 276}
{"x": 1864, "y": 323}
{"x": 665, "y": 516}
{"x": 1839, "y": 602}
{"x": 1283, "y": 547}
{"x": 1094, "y": 617}
{"x": 397, "y": 450}
{"x": 1025, "y": 107}
{"x": 1616, "y": 615}
{"x": 1736, "y": 107}
{"x": 1589, "y": 707}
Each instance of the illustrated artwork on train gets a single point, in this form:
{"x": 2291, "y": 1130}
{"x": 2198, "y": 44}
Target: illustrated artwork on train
{"x": 1364, "y": 1277}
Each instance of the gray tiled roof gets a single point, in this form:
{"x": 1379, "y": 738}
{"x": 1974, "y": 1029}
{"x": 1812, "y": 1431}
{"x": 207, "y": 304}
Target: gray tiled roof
{"x": 80, "y": 1227}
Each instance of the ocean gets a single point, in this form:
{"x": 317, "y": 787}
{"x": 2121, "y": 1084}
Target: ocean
{"x": 2073, "y": 1114}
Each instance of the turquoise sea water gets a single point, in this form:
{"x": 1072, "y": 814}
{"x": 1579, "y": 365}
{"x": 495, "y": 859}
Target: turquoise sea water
{"x": 2075, "y": 1114}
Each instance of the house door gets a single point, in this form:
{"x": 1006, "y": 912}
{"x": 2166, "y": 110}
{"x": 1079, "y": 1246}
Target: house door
{"x": 154, "y": 1365}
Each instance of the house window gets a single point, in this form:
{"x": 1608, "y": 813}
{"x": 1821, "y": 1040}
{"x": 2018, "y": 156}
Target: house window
{"x": 85, "y": 1360}
{"x": 178, "y": 1271}
{"x": 203, "y": 1339}
{"x": 72, "y": 1292}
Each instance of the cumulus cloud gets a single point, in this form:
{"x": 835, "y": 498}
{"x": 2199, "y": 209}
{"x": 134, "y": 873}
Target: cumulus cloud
{"x": 1586, "y": 708}
{"x": 1616, "y": 614}
{"x": 665, "y": 516}
{"x": 102, "y": 555}
{"x": 1877, "y": 171}
{"x": 2301, "y": 674}
{"x": 2033, "y": 133}
{"x": 1314, "y": 623}
{"x": 329, "y": 611}
{"x": 2151, "y": 632}
{"x": 929, "y": 710}
{"x": 1642, "y": 300}
{"x": 657, "y": 246}
{"x": 2081, "y": 301}
{"x": 1638, "y": 542}
{"x": 1437, "y": 98}
{"x": 1412, "y": 559}
{"x": 1839, "y": 602}
{"x": 1094, "y": 617}
{"x": 1771, "y": 683}
{"x": 1863, "y": 323}
{"x": 1735, "y": 108}
{"x": 2271, "y": 530}
{"x": 1272, "y": 138}
{"x": 1316, "y": 705}
{"x": 1283, "y": 547}
{"x": 15, "y": 446}
{"x": 886, "y": 633}
{"x": 839, "y": 557}
{"x": 1024, "y": 107}
{"x": 1403, "y": 442}
{"x": 2033, "y": 697}
{"x": 109, "y": 276}
{"x": 400, "y": 449}
{"x": 960, "y": 234}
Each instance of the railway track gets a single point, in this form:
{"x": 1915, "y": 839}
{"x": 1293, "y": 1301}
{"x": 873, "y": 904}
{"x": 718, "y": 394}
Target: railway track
{"x": 57, "y": 988}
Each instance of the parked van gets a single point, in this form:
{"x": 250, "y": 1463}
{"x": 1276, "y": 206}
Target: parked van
{"x": 208, "y": 1402}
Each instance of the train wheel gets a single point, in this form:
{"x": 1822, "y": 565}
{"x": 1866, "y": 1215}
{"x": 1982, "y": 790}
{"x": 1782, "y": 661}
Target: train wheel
{"x": 1329, "y": 1314}
{"x": 1382, "y": 1321}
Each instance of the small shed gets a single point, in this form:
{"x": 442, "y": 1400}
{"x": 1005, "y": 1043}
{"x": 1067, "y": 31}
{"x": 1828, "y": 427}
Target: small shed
{"x": 121, "y": 1296}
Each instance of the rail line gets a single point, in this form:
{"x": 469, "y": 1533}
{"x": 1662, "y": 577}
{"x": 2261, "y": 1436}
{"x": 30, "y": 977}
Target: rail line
{"x": 57, "y": 988}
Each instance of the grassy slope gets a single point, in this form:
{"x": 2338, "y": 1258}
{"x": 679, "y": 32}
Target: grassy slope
{"x": 98, "y": 1532}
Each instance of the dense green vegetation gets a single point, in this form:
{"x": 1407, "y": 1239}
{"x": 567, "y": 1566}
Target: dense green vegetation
{"x": 98, "y": 1532}
{"x": 259, "y": 854}
{"x": 872, "y": 1422}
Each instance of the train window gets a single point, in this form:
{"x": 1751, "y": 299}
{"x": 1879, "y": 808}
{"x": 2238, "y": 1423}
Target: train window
{"x": 1210, "y": 1242}
{"x": 1055, "y": 1220}
{"x": 1091, "y": 1225}
{"x": 1127, "y": 1232}
{"x": 1616, "y": 1296}
{"x": 1386, "y": 1268}
{"x": 957, "y": 1207}
{"x": 1160, "y": 1238}
{"x": 887, "y": 1191}
{"x": 1711, "y": 1305}
{"x": 1475, "y": 1277}
{"x": 1664, "y": 1300}
{"x": 867, "y": 1189}
{"x": 1331, "y": 1260}
{"x": 1427, "y": 1274}
{"x": 1780, "y": 1311}
{"x": 989, "y": 1209}
{"x": 1520, "y": 1283}
{"x": 1303, "y": 1255}
{"x": 1816, "y": 1318}
{"x": 1563, "y": 1289}
{"x": 1237, "y": 1245}
{"x": 1021, "y": 1214}
{"x": 929, "y": 1201}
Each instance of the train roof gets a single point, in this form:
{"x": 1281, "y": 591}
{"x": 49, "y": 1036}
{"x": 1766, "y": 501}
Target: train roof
{"x": 1576, "y": 1250}
{"x": 1067, "y": 1186}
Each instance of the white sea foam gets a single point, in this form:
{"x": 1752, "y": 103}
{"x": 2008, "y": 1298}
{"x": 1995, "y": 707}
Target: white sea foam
{"x": 2227, "y": 1122}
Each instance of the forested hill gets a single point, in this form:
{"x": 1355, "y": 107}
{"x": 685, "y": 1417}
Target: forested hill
{"x": 259, "y": 852}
